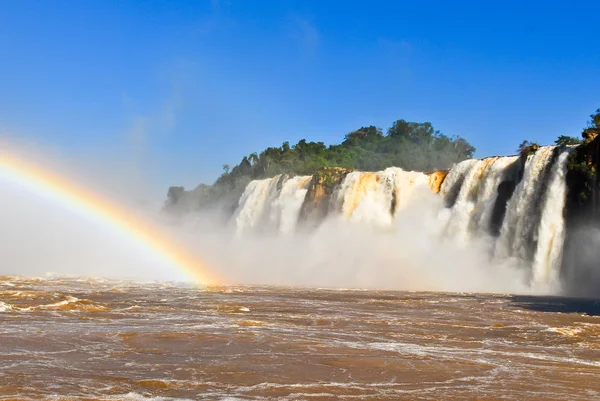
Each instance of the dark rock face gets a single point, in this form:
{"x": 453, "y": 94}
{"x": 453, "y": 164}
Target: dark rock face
{"x": 323, "y": 183}
{"x": 582, "y": 181}
{"x": 505, "y": 192}
{"x": 581, "y": 252}
{"x": 511, "y": 178}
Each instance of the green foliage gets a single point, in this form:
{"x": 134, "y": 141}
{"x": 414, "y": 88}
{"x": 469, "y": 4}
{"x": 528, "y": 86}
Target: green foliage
{"x": 593, "y": 128}
{"x": 409, "y": 145}
{"x": 583, "y": 163}
{"x": 564, "y": 140}
{"x": 523, "y": 145}
{"x": 528, "y": 148}
{"x": 595, "y": 121}
{"x": 582, "y": 175}
{"x": 174, "y": 194}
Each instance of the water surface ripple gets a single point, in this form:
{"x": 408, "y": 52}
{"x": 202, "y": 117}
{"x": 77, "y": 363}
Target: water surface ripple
{"x": 92, "y": 339}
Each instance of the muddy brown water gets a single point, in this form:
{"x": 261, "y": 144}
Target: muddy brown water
{"x": 92, "y": 339}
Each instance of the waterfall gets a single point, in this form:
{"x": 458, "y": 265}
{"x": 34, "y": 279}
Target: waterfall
{"x": 472, "y": 189}
{"x": 375, "y": 198}
{"x": 519, "y": 227}
{"x": 551, "y": 230}
{"x": 512, "y": 205}
{"x": 271, "y": 204}
{"x": 253, "y": 203}
{"x": 285, "y": 209}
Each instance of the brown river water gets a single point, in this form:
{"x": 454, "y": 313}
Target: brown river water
{"x": 93, "y": 339}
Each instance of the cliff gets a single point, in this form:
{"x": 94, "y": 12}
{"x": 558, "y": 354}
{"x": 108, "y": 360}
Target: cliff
{"x": 323, "y": 183}
{"x": 436, "y": 179}
{"x": 582, "y": 216}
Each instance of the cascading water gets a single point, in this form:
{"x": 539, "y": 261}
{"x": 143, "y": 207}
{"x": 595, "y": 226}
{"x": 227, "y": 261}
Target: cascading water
{"x": 515, "y": 204}
{"x": 533, "y": 229}
{"x": 271, "y": 204}
{"x": 472, "y": 189}
{"x": 374, "y": 198}
{"x": 284, "y": 210}
{"x": 519, "y": 228}
{"x": 253, "y": 203}
{"x": 551, "y": 230}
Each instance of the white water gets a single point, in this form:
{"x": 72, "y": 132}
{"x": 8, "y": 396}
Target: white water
{"x": 520, "y": 217}
{"x": 472, "y": 211}
{"x": 285, "y": 209}
{"x": 531, "y": 233}
{"x": 271, "y": 204}
{"x": 370, "y": 198}
{"x": 551, "y": 230}
{"x": 253, "y": 202}
{"x": 535, "y": 208}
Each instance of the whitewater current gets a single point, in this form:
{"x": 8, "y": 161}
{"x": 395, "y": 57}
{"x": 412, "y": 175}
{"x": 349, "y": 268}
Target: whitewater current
{"x": 509, "y": 208}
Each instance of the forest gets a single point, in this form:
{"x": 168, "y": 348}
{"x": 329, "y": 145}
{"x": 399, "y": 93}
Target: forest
{"x": 409, "y": 145}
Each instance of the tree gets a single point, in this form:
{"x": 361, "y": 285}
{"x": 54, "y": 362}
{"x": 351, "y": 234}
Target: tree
{"x": 464, "y": 149}
{"x": 415, "y": 132}
{"x": 564, "y": 140}
{"x": 174, "y": 194}
{"x": 595, "y": 122}
{"x": 253, "y": 157}
{"x": 527, "y": 144}
{"x": 245, "y": 167}
{"x": 593, "y": 129}
{"x": 370, "y": 133}
{"x": 408, "y": 145}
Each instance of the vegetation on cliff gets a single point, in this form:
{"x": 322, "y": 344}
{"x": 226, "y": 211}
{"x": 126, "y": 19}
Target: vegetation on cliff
{"x": 409, "y": 145}
{"x": 321, "y": 188}
{"x": 527, "y": 148}
{"x": 580, "y": 260}
{"x": 583, "y": 164}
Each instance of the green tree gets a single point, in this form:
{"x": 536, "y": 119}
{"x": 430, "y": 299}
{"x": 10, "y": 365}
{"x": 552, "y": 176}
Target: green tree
{"x": 409, "y": 145}
{"x": 593, "y": 129}
{"x": 363, "y": 135}
{"x": 526, "y": 145}
{"x": 253, "y": 157}
{"x": 595, "y": 122}
{"x": 564, "y": 140}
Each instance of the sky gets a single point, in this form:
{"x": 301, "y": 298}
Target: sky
{"x": 170, "y": 91}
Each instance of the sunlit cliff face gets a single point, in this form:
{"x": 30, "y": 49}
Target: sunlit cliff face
{"x": 436, "y": 179}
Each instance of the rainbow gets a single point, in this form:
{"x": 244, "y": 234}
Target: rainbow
{"x": 75, "y": 197}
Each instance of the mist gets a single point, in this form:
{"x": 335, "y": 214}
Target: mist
{"x": 409, "y": 255}
{"x": 42, "y": 236}
{"x": 581, "y": 275}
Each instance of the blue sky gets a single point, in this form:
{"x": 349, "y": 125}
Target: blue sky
{"x": 180, "y": 88}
